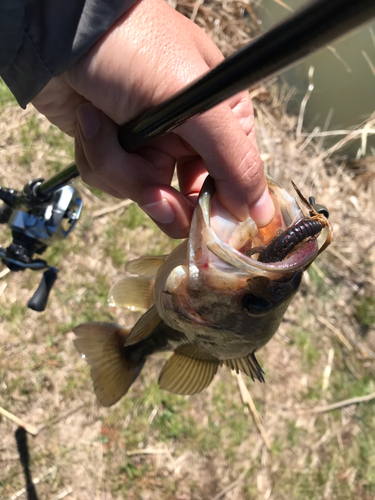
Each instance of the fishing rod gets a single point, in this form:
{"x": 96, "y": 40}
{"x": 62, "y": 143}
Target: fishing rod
{"x": 46, "y": 211}
{"x": 303, "y": 33}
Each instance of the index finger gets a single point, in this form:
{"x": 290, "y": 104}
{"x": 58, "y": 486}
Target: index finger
{"x": 227, "y": 145}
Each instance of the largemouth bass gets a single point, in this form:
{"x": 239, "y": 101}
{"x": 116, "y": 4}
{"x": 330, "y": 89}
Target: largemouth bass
{"x": 215, "y": 300}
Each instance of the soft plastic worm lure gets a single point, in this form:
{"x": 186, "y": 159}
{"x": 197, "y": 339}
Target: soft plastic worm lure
{"x": 284, "y": 242}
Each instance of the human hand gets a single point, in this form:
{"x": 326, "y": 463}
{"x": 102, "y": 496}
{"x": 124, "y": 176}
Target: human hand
{"x": 148, "y": 55}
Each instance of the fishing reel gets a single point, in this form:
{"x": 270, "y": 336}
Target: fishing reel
{"x": 43, "y": 213}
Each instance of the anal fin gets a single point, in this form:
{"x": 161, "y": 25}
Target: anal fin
{"x": 248, "y": 365}
{"x": 112, "y": 372}
{"x": 188, "y": 371}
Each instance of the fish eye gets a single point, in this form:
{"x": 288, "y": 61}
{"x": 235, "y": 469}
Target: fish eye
{"x": 254, "y": 304}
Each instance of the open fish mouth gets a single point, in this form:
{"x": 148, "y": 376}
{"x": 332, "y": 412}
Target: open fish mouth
{"x": 287, "y": 244}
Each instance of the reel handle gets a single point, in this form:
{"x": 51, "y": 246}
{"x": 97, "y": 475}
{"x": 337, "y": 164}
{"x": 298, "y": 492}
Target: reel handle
{"x": 38, "y": 301}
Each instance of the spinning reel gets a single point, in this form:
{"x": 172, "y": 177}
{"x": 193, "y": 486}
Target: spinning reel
{"x": 43, "y": 213}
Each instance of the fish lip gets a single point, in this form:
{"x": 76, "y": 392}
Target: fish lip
{"x": 299, "y": 258}
{"x": 298, "y": 261}
{"x": 303, "y": 254}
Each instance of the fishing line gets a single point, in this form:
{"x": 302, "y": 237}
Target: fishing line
{"x": 320, "y": 146}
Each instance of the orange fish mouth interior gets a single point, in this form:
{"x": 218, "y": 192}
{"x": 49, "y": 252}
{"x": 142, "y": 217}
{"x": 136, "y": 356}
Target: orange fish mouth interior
{"x": 288, "y": 242}
{"x": 278, "y": 242}
{"x": 267, "y": 233}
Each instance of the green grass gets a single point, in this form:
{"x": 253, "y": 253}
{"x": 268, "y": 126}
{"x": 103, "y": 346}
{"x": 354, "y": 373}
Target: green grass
{"x": 134, "y": 230}
{"x": 90, "y": 306}
{"x": 365, "y": 312}
{"x": 310, "y": 352}
{"x": 6, "y": 97}
{"x": 134, "y": 217}
{"x": 316, "y": 278}
{"x": 13, "y": 315}
{"x": 345, "y": 384}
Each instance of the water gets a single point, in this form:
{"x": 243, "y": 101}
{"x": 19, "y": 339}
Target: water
{"x": 343, "y": 82}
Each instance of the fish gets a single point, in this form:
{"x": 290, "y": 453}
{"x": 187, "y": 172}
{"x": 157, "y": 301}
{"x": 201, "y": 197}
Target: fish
{"x": 211, "y": 301}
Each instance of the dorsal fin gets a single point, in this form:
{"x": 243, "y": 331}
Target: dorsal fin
{"x": 249, "y": 365}
{"x": 132, "y": 292}
{"x": 144, "y": 326}
{"x": 112, "y": 371}
{"x": 147, "y": 265}
{"x": 188, "y": 371}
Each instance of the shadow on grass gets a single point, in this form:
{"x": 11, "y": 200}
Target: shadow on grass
{"x": 23, "y": 450}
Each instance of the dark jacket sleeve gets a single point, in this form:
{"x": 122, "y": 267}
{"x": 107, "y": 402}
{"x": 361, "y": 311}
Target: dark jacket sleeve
{"x": 40, "y": 39}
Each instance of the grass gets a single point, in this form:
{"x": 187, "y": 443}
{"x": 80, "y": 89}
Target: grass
{"x": 6, "y": 97}
{"x": 198, "y": 445}
{"x": 309, "y": 351}
{"x": 365, "y": 312}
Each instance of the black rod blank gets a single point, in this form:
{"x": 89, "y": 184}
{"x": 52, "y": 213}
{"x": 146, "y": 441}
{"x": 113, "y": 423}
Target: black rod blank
{"x": 46, "y": 188}
{"x": 304, "y": 32}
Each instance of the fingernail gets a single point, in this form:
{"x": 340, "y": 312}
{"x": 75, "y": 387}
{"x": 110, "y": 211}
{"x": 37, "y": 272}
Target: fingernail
{"x": 263, "y": 211}
{"x": 89, "y": 120}
{"x": 161, "y": 211}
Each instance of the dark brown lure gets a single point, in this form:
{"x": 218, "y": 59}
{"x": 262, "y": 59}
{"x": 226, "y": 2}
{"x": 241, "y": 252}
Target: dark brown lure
{"x": 284, "y": 242}
{"x": 281, "y": 245}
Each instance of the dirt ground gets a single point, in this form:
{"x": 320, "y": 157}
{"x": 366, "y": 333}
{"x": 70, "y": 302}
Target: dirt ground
{"x": 237, "y": 440}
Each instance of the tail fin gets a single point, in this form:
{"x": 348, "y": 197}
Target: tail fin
{"x": 112, "y": 371}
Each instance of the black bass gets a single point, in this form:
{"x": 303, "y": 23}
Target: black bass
{"x": 215, "y": 300}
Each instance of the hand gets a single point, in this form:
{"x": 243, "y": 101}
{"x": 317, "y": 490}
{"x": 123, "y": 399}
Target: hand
{"x": 148, "y": 55}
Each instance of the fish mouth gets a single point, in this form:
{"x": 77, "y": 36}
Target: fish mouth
{"x": 242, "y": 253}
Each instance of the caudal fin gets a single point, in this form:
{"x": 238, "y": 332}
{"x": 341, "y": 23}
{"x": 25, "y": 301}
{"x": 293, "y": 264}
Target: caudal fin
{"x": 112, "y": 371}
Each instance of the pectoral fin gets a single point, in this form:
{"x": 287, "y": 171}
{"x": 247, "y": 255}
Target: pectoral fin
{"x": 249, "y": 365}
{"x": 144, "y": 326}
{"x": 112, "y": 371}
{"x": 132, "y": 292}
{"x": 188, "y": 371}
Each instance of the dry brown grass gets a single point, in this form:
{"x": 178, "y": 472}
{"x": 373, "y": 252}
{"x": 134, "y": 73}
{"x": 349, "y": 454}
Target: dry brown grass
{"x": 160, "y": 446}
